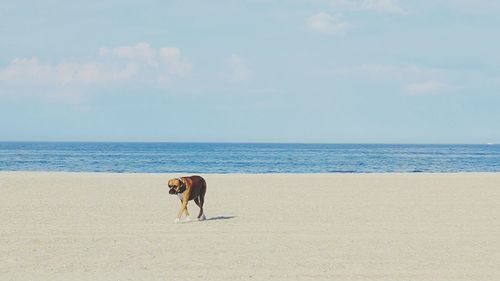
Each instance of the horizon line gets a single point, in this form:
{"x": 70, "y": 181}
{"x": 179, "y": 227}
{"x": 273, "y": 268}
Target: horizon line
{"x": 243, "y": 142}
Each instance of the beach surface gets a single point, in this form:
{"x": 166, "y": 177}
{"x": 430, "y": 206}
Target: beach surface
{"x": 102, "y": 226}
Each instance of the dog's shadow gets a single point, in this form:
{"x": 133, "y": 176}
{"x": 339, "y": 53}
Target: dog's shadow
{"x": 220, "y": 218}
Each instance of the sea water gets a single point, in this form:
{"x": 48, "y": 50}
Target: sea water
{"x": 246, "y": 157}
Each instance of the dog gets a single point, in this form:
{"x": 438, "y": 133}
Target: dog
{"x": 189, "y": 188}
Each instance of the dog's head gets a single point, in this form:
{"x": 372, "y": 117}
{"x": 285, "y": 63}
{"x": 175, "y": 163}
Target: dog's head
{"x": 176, "y": 186}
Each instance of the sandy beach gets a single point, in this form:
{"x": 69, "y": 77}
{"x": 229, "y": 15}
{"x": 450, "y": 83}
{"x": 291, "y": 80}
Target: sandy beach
{"x": 99, "y": 226}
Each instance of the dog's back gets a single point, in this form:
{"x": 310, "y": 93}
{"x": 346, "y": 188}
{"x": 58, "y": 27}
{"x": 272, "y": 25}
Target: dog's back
{"x": 198, "y": 187}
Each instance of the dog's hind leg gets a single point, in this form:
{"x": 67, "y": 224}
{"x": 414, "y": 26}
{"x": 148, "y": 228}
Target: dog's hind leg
{"x": 201, "y": 216}
{"x": 201, "y": 199}
{"x": 197, "y": 201}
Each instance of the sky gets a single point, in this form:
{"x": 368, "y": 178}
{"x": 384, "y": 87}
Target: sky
{"x": 322, "y": 71}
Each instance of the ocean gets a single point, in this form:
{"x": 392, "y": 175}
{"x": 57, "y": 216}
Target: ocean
{"x": 246, "y": 157}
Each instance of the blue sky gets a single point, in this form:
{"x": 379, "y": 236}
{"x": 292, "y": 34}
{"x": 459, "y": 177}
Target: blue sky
{"x": 251, "y": 71}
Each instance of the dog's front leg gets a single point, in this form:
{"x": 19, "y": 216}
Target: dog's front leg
{"x": 183, "y": 209}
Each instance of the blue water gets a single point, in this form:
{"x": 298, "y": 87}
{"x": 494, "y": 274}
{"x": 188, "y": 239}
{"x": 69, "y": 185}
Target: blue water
{"x": 246, "y": 157}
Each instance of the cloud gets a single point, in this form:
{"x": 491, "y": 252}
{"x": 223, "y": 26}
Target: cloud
{"x": 392, "y": 72}
{"x": 24, "y": 71}
{"x": 328, "y": 24}
{"x": 175, "y": 63}
{"x": 413, "y": 80}
{"x": 468, "y": 6}
{"x": 388, "y": 6}
{"x": 141, "y": 52}
{"x": 381, "y": 5}
{"x": 125, "y": 63}
{"x": 237, "y": 69}
{"x": 427, "y": 87}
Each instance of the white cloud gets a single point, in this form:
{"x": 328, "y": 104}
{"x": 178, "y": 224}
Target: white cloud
{"x": 469, "y": 6}
{"x": 176, "y": 64}
{"x": 414, "y": 80}
{"x": 427, "y": 87}
{"x": 33, "y": 72}
{"x": 381, "y": 5}
{"x": 326, "y": 23}
{"x": 392, "y": 72}
{"x": 388, "y": 6}
{"x": 237, "y": 69}
{"x": 120, "y": 64}
{"x": 168, "y": 61}
{"x": 141, "y": 52}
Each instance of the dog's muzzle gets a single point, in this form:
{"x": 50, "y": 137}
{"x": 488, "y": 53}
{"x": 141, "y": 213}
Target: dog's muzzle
{"x": 173, "y": 190}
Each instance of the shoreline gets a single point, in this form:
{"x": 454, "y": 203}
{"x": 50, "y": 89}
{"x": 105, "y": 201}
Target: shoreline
{"x": 257, "y": 174}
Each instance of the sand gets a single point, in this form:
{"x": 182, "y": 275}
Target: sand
{"x": 100, "y": 226}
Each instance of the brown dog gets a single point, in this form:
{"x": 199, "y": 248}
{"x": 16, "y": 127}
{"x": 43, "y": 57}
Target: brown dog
{"x": 189, "y": 188}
